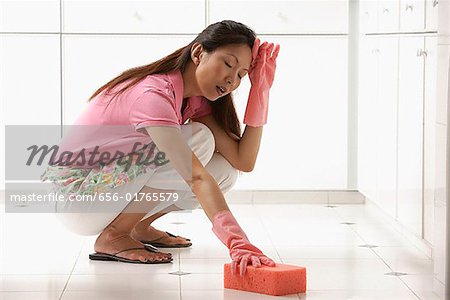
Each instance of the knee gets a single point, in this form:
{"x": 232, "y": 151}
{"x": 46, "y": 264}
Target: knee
{"x": 205, "y": 132}
{"x": 224, "y": 173}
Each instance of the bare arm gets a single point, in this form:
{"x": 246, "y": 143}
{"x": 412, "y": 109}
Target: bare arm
{"x": 240, "y": 152}
{"x": 249, "y": 146}
{"x": 170, "y": 141}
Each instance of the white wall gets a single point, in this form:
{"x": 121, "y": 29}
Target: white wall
{"x": 54, "y": 57}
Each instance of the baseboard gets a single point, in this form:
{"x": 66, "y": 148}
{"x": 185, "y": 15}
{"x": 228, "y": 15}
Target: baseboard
{"x": 438, "y": 288}
{"x": 294, "y": 197}
{"x": 417, "y": 241}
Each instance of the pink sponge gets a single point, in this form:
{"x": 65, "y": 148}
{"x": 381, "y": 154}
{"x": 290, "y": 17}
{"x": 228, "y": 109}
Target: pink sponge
{"x": 280, "y": 280}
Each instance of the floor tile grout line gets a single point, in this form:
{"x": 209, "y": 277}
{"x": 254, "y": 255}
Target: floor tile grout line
{"x": 398, "y": 232}
{"x": 270, "y": 239}
{"x": 73, "y": 268}
{"x": 380, "y": 258}
{"x": 179, "y": 263}
{"x": 392, "y": 224}
{"x": 179, "y": 287}
{"x": 409, "y": 288}
{"x": 366, "y": 242}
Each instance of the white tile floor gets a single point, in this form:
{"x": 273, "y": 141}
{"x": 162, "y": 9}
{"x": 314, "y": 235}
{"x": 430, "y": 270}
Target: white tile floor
{"x": 39, "y": 259}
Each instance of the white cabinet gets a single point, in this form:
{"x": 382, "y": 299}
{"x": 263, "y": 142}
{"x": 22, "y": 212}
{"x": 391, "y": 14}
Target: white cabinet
{"x": 429, "y": 135}
{"x": 388, "y": 20}
{"x": 369, "y": 16}
{"x": 412, "y": 15}
{"x": 377, "y": 134}
{"x": 391, "y": 16}
{"x": 151, "y": 16}
{"x": 386, "y": 123}
{"x": 29, "y": 16}
{"x": 368, "y": 90}
{"x": 410, "y": 133}
{"x": 396, "y": 119}
{"x": 431, "y": 17}
{"x": 284, "y": 17}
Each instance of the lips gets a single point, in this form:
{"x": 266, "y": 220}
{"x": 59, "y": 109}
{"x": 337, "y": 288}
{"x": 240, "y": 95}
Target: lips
{"x": 221, "y": 90}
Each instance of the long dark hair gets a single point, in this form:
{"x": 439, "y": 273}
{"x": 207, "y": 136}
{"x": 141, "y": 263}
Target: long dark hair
{"x": 214, "y": 36}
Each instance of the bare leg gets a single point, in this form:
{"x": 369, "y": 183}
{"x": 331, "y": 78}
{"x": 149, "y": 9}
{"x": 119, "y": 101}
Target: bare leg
{"x": 144, "y": 232}
{"x": 116, "y": 236}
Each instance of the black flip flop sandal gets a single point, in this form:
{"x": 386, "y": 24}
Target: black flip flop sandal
{"x": 114, "y": 257}
{"x": 155, "y": 243}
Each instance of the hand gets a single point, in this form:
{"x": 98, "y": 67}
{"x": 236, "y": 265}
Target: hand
{"x": 242, "y": 251}
{"x": 263, "y": 65}
{"x": 261, "y": 74}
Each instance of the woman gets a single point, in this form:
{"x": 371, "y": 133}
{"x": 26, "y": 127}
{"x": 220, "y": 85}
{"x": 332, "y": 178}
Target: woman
{"x": 195, "y": 162}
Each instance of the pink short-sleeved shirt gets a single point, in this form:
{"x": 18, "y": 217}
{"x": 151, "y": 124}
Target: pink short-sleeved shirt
{"x": 154, "y": 101}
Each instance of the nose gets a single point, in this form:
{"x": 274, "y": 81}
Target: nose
{"x": 230, "y": 82}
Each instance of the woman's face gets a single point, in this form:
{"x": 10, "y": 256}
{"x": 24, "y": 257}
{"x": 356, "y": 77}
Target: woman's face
{"x": 224, "y": 68}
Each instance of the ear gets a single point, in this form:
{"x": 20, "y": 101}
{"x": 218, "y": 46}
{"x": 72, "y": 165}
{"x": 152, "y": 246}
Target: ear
{"x": 196, "y": 53}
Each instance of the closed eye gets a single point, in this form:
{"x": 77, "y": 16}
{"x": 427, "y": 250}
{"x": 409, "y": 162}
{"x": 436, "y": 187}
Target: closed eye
{"x": 231, "y": 67}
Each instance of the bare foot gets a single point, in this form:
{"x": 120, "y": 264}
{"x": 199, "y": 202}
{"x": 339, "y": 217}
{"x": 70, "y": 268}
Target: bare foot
{"x": 152, "y": 234}
{"x": 111, "y": 242}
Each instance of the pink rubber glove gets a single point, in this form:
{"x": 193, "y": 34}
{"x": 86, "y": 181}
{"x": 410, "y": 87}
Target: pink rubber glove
{"x": 242, "y": 251}
{"x": 261, "y": 74}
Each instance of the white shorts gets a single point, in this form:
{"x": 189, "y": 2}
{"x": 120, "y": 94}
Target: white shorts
{"x": 92, "y": 220}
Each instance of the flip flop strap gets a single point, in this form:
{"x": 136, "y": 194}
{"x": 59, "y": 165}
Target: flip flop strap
{"x": 162, "y": 237}
{"x": 172, "y": 235}
{"x": 135, "y": 248}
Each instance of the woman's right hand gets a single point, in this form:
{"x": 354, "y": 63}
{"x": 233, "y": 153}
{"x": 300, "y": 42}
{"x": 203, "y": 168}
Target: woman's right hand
{"x": 261, "y": 74}
{"x": 242, "y": 252}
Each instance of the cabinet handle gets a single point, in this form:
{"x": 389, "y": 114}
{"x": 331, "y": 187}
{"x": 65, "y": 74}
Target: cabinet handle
{"x": 385, "y": 11}
{"x": 376, "y": 51}
{"x": 421, "y": 52}
{"x": 409, "y": 6}
{"x": 435, "y": 3}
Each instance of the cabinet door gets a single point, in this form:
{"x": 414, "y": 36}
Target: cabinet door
{"x": 369, "y": 15}
{"x": 388, "y": 20}
{"x": 431, "y": 17}
{"x": 386, "y": 195}
{"x": 412, "y": 15}
{"x": 115, "y": 17}
{"x": 284, "y": 17}
{"x": 366, "y": 117}
{"x": 410, "y": 133}
{"x": 30, "y": 16}
{"x": 429, "y": 135}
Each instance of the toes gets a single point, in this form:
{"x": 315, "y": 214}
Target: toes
{"x": 181, "y": 240}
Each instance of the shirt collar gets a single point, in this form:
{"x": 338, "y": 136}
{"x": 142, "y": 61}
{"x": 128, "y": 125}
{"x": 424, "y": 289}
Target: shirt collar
{"x": 177, "y": 81}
